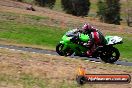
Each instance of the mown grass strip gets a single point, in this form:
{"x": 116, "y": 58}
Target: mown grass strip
{"x": 30, "y": 34}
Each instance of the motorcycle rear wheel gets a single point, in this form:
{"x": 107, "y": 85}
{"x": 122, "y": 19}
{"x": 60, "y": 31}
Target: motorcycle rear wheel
{"x": 110, "y": 54}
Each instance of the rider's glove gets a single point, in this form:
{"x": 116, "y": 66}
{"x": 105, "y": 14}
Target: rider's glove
{"x": 86, "y": 45}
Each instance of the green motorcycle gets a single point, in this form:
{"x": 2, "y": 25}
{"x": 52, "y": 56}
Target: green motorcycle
{"x": 107, "y": 53}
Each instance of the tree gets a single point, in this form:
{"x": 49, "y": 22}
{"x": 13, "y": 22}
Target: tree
{"x": 76, "y": 7}
{"x": 109, "y": 11}
{"x": 129, "y": 13}
{"x": 45, "y": 3}
{"x": 101, "y": 10}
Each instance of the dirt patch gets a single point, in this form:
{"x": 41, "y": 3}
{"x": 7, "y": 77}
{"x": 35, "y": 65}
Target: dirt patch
{"x": 53, "y": 67}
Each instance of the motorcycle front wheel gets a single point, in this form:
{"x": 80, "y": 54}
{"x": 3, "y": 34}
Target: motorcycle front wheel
{"x": 67, "y": 52}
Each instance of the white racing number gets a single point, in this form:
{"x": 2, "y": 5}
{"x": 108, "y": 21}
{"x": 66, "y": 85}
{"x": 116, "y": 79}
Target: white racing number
{"x": 114, "y": 40}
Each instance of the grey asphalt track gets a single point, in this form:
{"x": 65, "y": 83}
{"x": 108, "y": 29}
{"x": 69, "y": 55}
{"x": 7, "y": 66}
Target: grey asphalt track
{"x": 51, "y": 52}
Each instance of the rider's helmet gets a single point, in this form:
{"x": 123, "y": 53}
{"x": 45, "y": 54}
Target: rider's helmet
{"x": 87, "y": 28}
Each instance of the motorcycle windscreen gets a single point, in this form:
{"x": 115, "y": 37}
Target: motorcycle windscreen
{"x": 66, "y": 39}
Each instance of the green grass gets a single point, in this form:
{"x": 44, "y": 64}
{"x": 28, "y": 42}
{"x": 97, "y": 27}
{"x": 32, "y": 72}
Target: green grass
{"x": 126, "y": 48}
{"x": 30, "y": 34}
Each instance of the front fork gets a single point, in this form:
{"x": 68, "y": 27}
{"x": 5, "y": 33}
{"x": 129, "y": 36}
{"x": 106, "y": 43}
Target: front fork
{"x": 65, "y": 45}
{"x": 74, "y": 47}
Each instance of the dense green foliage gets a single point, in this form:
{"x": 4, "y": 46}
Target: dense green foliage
{"x": 109, "y": 11}
{"x": 45, "y": 3}
{"x": 76, "y": 7}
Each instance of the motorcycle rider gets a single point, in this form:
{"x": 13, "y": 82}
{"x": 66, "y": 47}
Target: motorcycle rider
{"x": 96, "y": 38}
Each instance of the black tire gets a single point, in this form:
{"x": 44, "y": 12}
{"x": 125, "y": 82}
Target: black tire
{"x": 81, "y": 80}
{"x": 60, "y": 51}
{"x": 110, "y": 54}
